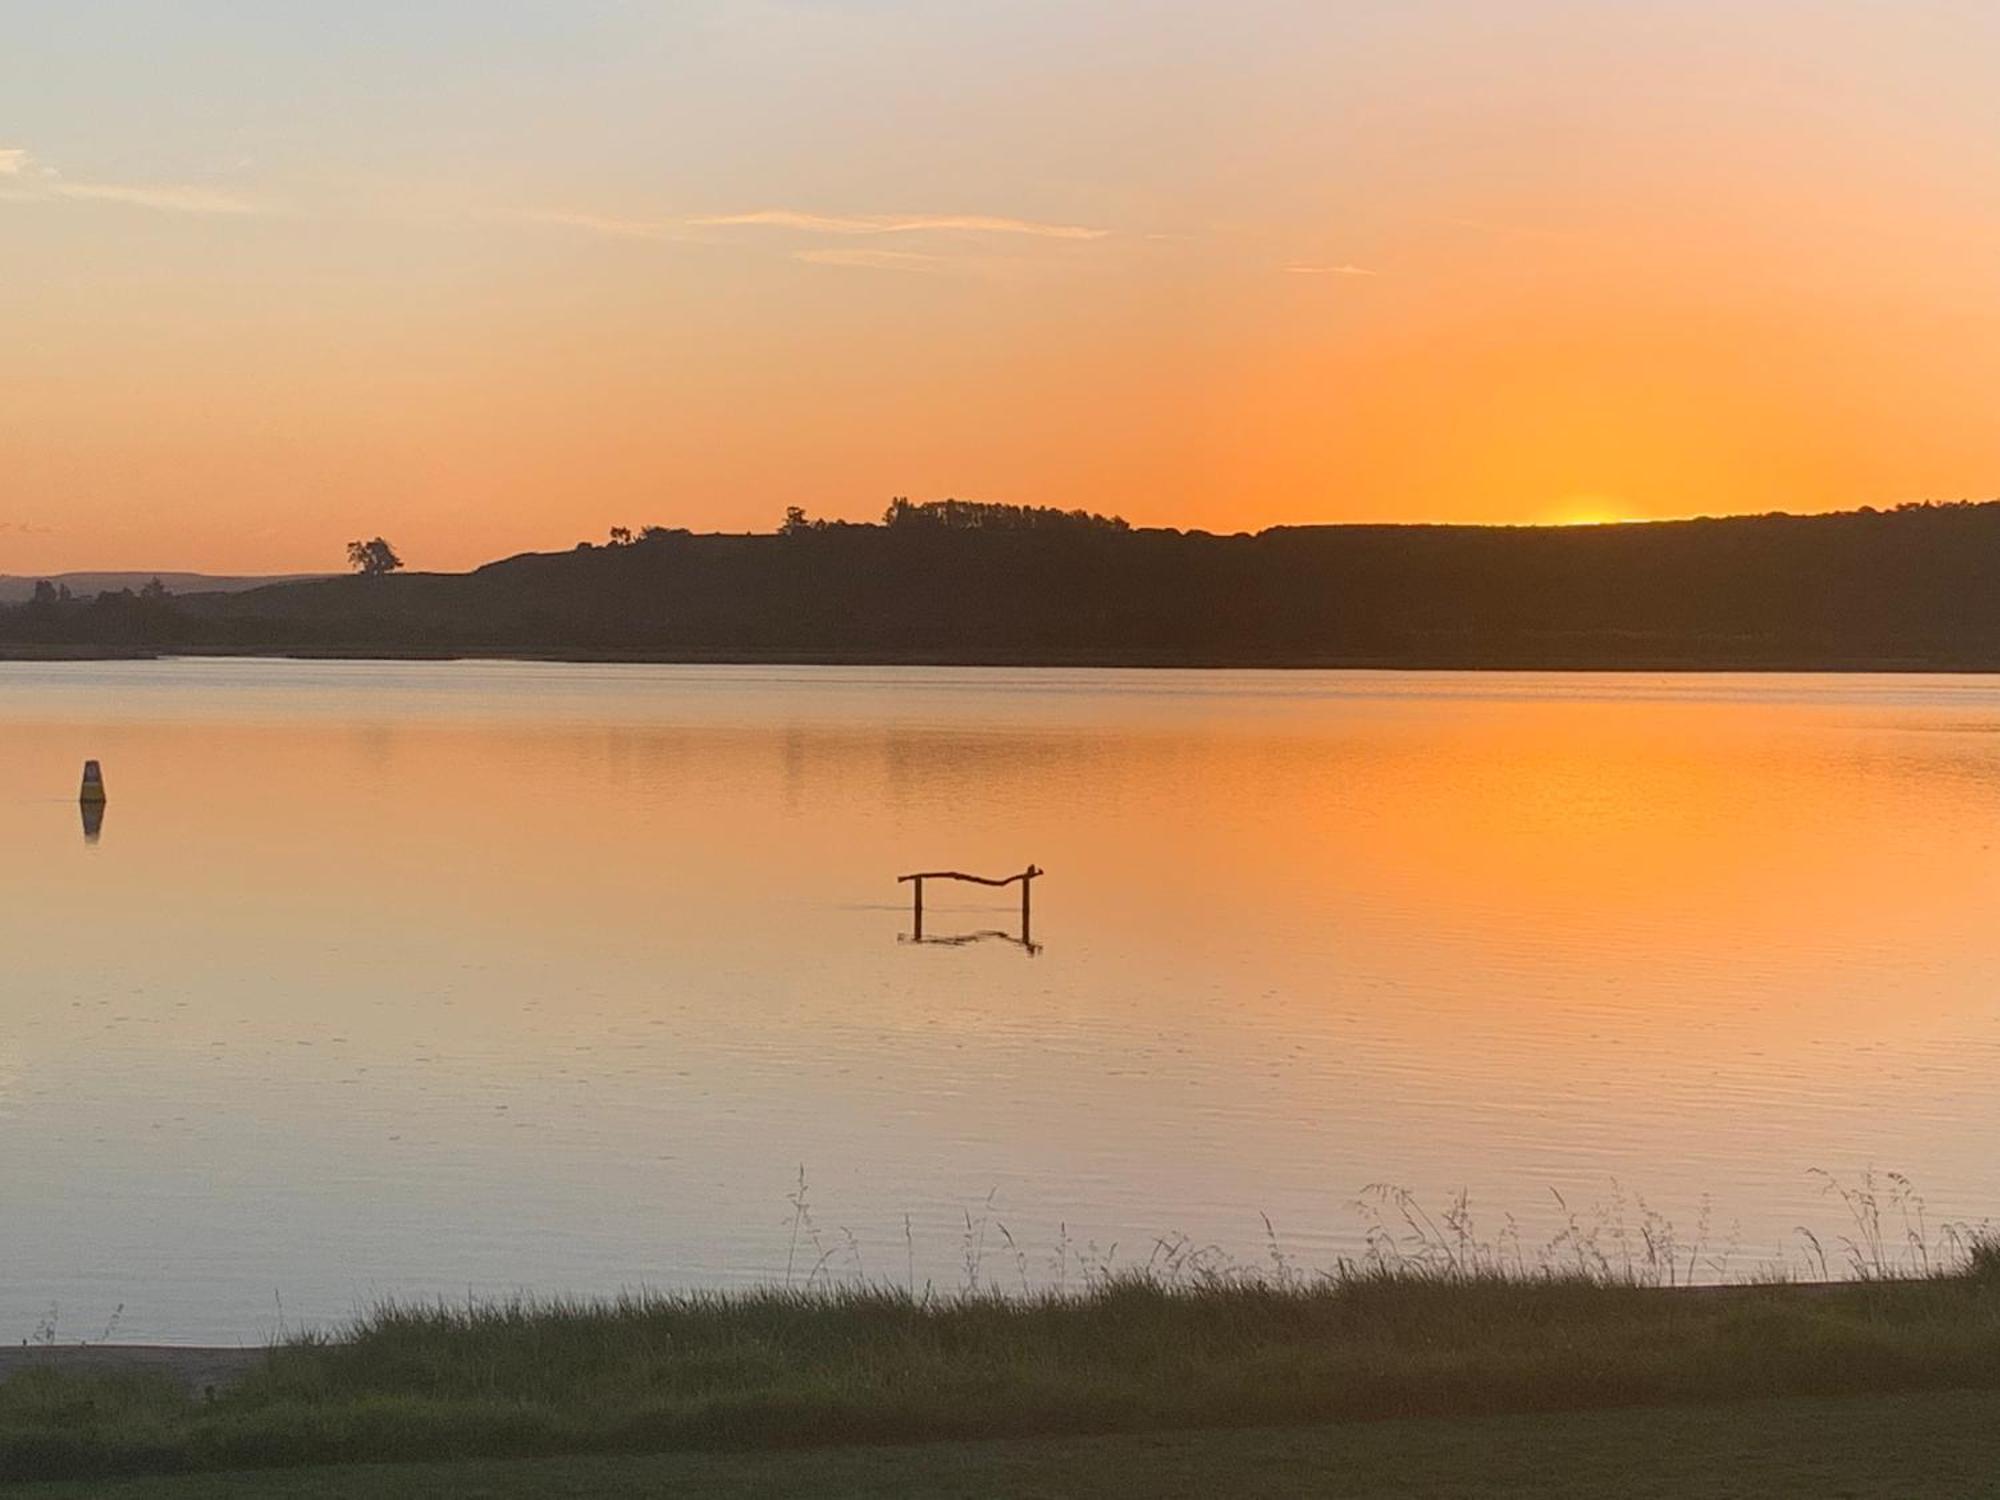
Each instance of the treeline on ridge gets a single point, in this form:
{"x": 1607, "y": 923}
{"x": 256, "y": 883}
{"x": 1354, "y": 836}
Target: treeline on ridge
{"x": 951, "y": 581}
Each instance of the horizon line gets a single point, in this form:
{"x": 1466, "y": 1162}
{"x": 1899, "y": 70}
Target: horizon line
{"x": 310, "y": 574}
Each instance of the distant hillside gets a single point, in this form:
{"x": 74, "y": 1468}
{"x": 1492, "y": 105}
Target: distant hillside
{"x": 15, "y": 587}
{"x": 1914, "y": 588}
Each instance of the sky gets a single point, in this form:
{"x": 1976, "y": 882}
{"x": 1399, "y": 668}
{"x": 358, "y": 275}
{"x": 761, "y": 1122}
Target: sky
{"x": 496, "y": 276}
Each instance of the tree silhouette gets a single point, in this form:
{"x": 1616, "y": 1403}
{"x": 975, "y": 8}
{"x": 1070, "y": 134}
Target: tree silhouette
{"x": 976, "y": 515}
{"x": 372, "y": 559}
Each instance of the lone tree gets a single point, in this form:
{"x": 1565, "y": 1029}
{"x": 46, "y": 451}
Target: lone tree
{"x": 372, "y": 559}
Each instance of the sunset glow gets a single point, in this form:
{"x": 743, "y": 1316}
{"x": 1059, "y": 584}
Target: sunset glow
{"x": 499, "y": 276}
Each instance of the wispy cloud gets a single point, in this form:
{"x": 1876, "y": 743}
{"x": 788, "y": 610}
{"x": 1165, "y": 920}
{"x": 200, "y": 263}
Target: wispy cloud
{"x": 614, "y": 227}
{"x": 949, "y": 243}
{"x": 166, "y": 198}
{"x": 784, "y": 218}
{"x": 28, "y": 180}
{"x": 875, "y": 260}
{"x": 1300, "y": 268}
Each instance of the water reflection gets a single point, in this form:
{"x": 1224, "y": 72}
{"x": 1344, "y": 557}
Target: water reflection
{"x": 93, "y": 820}
{"x": 1020, "y": 940}
{"x": 414, "y": 978}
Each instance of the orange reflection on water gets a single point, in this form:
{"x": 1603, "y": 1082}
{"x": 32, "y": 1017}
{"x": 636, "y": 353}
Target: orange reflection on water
{"x": 435, "y": 954}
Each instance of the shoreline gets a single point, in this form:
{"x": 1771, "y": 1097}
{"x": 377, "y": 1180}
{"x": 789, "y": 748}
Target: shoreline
{"x": 1083, "y": 660}
{"x": 196, "y": 1368}
{"x": 853, "y": 1367}
{"x": 200, "y": 1368}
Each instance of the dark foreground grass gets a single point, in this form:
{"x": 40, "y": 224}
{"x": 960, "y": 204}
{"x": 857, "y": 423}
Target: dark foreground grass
{"x": 1943, "y": 1445}
{"x": 776, "y": 1371}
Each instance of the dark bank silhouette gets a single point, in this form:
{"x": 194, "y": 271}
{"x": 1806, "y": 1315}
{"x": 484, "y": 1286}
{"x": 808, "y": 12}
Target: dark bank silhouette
{"x": 14, "y": 587}
{"x": 950, "y": 582}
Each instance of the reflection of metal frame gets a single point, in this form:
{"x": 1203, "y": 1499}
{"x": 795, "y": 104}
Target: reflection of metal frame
{"x": 1025, "y": 941}
{"x": 961, "y": 939}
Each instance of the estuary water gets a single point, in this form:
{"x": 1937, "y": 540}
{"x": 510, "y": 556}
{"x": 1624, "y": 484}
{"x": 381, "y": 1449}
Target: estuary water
{"x": 446, "y": 978}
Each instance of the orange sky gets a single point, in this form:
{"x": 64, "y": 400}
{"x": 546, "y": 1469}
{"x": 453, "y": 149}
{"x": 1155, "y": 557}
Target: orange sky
{"x": 497, "y": 276}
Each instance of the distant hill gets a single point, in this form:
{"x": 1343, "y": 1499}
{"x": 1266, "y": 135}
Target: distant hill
{"x": 1914, "y": 588}
{"x": 15, "y": 587}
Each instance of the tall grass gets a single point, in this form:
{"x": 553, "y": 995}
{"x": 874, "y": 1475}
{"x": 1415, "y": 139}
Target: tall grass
{"x": 1618, "y": 1238}
{"x": 1887, "y": 1235}
{"x": 1436, "y": 1318}
{"x": 1137, "y": 1352}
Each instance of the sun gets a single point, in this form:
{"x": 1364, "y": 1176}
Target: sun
{"x": 1589, "y": 510}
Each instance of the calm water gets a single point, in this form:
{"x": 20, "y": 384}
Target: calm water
{"x": 436, "y": 978}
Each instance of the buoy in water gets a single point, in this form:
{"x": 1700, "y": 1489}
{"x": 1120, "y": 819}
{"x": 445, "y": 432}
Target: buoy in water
{"x": 93, "y": 782}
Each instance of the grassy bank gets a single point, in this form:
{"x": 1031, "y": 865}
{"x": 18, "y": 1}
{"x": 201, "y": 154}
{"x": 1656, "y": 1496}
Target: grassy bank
{"x": 778, "y": 1371}
{"x": 1943, "y": 1446}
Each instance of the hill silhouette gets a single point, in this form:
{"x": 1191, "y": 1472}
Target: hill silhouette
{"x": 16, "y": 588}
{"x": 1913, "y": 588}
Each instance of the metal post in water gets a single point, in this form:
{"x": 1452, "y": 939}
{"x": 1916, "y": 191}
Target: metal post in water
{"x": 93, "y": 783}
